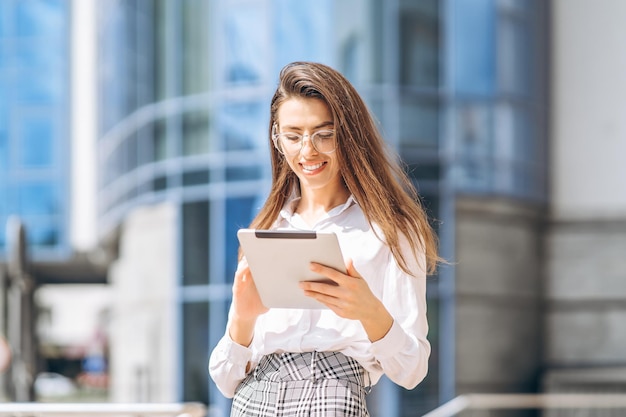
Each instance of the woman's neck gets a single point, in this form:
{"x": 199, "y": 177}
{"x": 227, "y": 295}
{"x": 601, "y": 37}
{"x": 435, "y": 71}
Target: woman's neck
{"x": 313, "y": 205}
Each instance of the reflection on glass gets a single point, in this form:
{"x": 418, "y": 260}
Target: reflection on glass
{"x": 358, "y": 39}
{"x": 159, "y": 145}
{"x": 45, "y": 19}
{"x": 200, "y": 177}
{"x": 245, "y": 50}
{"x": 161, "y": 57}
{"x": 419, "y": 43}
{"x": 3, "y": 148}
{"x": 195, "y": 352}
{"x": 239, "y": 214}
{"x": 196, "y": 243}
{"x": 241, "y": 126}
{"x": 419, "y": 122}
{"x": 43, "y": 233}
{"x": 35, "y": 142}
{"x": 473, "y": 126}
{"x": 195, "y": 46}
{"x": 302, "y": 31}
{"x": 38, "y": 198}
{"x": 514, "y": 67}
{"x": 195, "y": 135}
{"x": 474, "y": 46}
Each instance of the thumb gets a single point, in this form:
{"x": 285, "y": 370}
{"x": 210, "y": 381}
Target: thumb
{"x": 351, "y": 270}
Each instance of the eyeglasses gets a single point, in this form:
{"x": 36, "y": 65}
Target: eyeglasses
{"x": 291, "y": 143}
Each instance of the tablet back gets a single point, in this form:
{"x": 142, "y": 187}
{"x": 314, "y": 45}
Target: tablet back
{"x": 279, "y": 260}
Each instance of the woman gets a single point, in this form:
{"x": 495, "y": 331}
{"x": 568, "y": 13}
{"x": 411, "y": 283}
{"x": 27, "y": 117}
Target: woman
{"x": 331, "y": 172}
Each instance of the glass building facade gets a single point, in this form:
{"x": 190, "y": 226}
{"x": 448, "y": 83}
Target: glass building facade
{"x": 184, "y": 93}
{"x": 34, "y": 122}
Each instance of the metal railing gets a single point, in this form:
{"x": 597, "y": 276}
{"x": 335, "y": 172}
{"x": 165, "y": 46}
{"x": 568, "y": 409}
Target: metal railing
{"x": 571, "y": 401}
{"x": 103, "y": 409}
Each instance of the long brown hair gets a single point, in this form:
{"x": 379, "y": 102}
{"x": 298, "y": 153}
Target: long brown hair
{"x": 375, "y": 179}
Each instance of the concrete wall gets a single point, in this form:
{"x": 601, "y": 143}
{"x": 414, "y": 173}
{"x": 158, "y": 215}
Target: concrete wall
{"x": 586, "y": 287}
{"x": 143, "y": 326}
{"x": 498, "y": 287}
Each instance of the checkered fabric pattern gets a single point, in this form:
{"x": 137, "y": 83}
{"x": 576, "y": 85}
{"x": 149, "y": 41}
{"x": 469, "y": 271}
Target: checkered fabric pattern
{"x": 311, "y": 384}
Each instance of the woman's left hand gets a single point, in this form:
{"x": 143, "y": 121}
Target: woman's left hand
{"x": 350, "y": 298}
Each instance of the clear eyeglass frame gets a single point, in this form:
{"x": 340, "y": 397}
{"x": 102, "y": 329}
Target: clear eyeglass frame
{"x": 285, "y": 140}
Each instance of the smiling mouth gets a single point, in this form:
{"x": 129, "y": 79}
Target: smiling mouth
{"x": 311, "y": 168}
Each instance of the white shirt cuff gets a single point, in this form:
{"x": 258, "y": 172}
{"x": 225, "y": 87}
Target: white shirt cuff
{"x": 391, "y": 344}
{"x": 235, "y": 353}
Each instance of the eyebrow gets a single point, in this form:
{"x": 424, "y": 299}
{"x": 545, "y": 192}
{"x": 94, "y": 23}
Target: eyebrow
{"x": 323, "y": 124}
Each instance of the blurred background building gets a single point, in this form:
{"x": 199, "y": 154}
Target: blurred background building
{"x": 508, "y": 115}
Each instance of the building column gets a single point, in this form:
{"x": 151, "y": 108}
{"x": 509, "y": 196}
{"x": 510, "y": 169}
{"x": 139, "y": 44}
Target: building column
{"x": 586, "y": 267}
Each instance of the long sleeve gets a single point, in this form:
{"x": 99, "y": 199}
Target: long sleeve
{"x": 227, "y": 365}
{"x": 404, "y": 351}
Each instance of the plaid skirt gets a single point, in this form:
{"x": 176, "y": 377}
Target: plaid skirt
{"x": 312, "y": 384}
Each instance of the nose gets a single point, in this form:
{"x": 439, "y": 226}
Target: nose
{"x": 307, "y": 143}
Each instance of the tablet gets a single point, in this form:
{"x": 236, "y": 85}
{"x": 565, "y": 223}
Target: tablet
{"x": 279, "y": 260}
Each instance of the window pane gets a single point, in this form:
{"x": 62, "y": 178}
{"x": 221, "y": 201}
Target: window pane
{"x": 513, "y": 57}
{"x": 159, "y": 145}
{"x": 4, "y": 161}
{"x": 195, "y": 135}
{"x": 196, "y": 243}
{"x": 419, "y": 43}
{"x": 161, "y": 58}
{"x": 38, "y": 198}
{"x": 474, "y": 146}
{"x": 42, "y": 232}
{"x": 419, "y": 122}
{"x": 358, "y": 40}
{"x": 195, "y": 352}
{"x": 195, "y": 44}
{"x": 35, "y": 142}
{"x": 245, "y": 49}
{"x": 4, "y": 203}
{"x": 242, "y": 127}
{"x": 5, "y": 19}
{"x": 40, "y": 18}
{"x": 474, "y": 46}
{"x": 239, "y": 214}
{"x": 302, "y": 31}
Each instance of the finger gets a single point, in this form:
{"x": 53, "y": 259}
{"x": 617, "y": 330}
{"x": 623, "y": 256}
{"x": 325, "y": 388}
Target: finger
{"x": 326, "y": 299}
{"x": 351, "y": 270}
{"x": 329, "y": 289}
{"x": 327, "y": 271}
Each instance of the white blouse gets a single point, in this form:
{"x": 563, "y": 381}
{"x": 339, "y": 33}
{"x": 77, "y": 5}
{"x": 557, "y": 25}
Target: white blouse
{"x": 402, "y": 354}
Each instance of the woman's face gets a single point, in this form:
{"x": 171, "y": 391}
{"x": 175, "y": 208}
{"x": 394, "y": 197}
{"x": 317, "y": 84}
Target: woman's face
{"x": 317, "y": 171}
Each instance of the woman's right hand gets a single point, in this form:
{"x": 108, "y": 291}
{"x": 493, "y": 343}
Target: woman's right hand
{"x": 247, "y": 305}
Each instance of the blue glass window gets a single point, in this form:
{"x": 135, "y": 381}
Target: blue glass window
{"x": 474, "y": 46}
{"x": 4, "y": 204}
{"x": 242, "y": 126}
{"x": 42, "y": 232}
{"x": 4, "y": 162}
{"x": 239, "y": 214}
{"x": 35, "y": 142}
{"x": 246, "y": 50}
{"x": 40, "y": 18}
{"x": 38, "y": 198}
{"x": 6, "y": 19}
{"x": 195, "y": 236}
{"x": 303, "y": 31}
{"x": 34, "y": 60}
{"x": 419, "y": 43}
